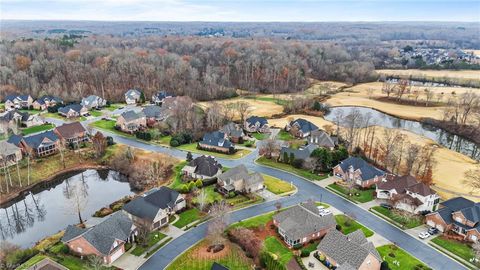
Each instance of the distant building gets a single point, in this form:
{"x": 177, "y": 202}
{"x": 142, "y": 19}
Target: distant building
{"x": 300, "y": 128}
{"x": 24, "y": 119}
{"x": 93, "y": 102}
{"x": 133, "y": 96}
{"x": 216, "y": 141}
{"x": 73, "y": 111}
{"x": 44, "y": 102}
{"x": 256, "y": 124}
{"x": 156, "y": 113}
{"x": 237, "y": 179}
{"x": 234, "y": 132}
{"x": 159, "y": 97}
{"x": 15, "y": 101}
{"x": 362, "y": 173}
{"x": 322, "y": 139}
{"x": 131, "y": 121}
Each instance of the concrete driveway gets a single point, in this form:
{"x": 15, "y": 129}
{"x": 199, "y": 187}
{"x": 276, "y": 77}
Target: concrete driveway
{"x": 129, "y": 261}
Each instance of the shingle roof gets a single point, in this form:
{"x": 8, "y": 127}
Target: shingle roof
{"x": 254, "y": 178}
{"x": 303, "y": 219}
{"x": 75, "y": 107}
{"x": 71, "y": 232}
{"x": 351, "y": 249}
{"x": 252, "y": 120}
{"x": 132, "y": 94}
{"x": 403, "y": 183}
{"x": 49, "y": 98}
{"x": 216, "y": 138}
{"x": 34, "y": 141}
{"x": 162, "y": 94}
{"x": 321, "y": 138}
{"x": 368, "y": 170}
{"x": 12, "y": 97}
{"x": 15, "y": 139}
{"x": 7, "y": 148}
{"x": 132, "y": 115}
{"x": 472, "y": 213}
{"x": 302, "y": 153}
{"x": 154, "y": 111}
{"x": 9, "y": 115}
{"x": 234, "y": 174}
{"x": 70, "y": 130}
{"x": 457, "y": 203}
{"x": 205, "y": 165}
{"x": 232, "y": 130}
{"x": 148, "y": 205}
{"x": 304, "y": 125}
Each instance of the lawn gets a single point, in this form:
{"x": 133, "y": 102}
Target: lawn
{"x": 196, "y": 258}
{"x": 187, "y": 217}
{"x": 165, "y": 140}
{"x": 350, "y": 225}
{"x": 109, "y": 125}
{"x": 407, "y": 222}
{"x": 30, "y": 111}
{"x": 177, "y": 175}
{"x": 278, "y": 101}
{"x": 36, "y": 129}
{"x": 114, "y": 106}
{"x": 460, "y": 249}
{"x": 153, "y": 238}
{"x": 273, "y": 245}
{"x": 95, "y": 113}
{"x": 391, "y": 253}
{"x": 58, "y": 116}
{"x": 322, "y": 204}
{"x": 363, "y": 197}
{"x": 287, "y": 167}
{"x": 253, "y": 222}
{"x": 276, "y": 185}
{"x": 285, "y": 136}
{"x": 192, "y": 147}
{"x": 260, "y": 136}
{"x": 35, "y": 259}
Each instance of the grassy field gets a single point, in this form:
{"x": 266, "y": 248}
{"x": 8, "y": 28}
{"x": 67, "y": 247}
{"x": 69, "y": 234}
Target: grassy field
{"x": 253, "y": 222}
{"x": 350, "y": 225}
{"x": 257, "y": 107}
{"x": 273, "y": 245}
{"x": 114, "y": 106}
{"x": 407, "y": 222}
{"x": 278, "y": 101}
{"x": 276, "y": 185}
{"x": 285, "y": 136}
{"x": 187, "y": 217}
{"x": 289, "y": 168}
{"x": 260, "y": 136}
{"x": 192, "y": 147}
{"x": 460, "y": 249}
{"x": 30, "y": 111}
{"x": 438, "y": 74}
{"x": 177, "y": 175}
{"x": 363, "y": 197}
{"x": 95, "y": 113}
{"x": 36, "y": 129}
{"x": 35, "y": 259}
{"x": 196, "y": 258}
{"x": 391, "y": 253}
{"x": 153, "y": 238}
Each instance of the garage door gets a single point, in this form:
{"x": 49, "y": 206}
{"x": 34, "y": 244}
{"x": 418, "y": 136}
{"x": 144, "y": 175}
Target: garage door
{"x": 431, "y": 223}
{"x": 115, "y": 255}
{"x": 440, "y": 228}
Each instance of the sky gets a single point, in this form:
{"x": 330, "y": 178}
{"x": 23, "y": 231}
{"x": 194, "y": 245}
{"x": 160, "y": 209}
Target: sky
{"x": 242, "y": 10}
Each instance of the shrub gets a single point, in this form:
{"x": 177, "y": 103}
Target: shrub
{"x": 304, "y": 253}
{"x": 174, "y": 143}
{"x": 191, "y": 186}
{"x": 183, "y": 188}
{"x": 384, "y": 266}
{"x": 297, "y": 163}
{"x": 20, "y": 256}
{"x": 199, "y": 183}
{"x": 231, "y": 194}
{"x": 181, "y": 138}
{"x": 297, "y": 246}
{"x": 338, "y": 227}
{"x": 110, "y": 141}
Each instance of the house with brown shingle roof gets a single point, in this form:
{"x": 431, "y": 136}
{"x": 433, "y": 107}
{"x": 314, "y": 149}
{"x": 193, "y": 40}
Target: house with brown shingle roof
{"x": 408, "y": 194}
{"x": 72, "y": 133}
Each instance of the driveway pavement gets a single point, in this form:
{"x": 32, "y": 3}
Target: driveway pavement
{"x": 129, "y": 261}
{"x": 267, "y": 195}
{"x": 172, "y": 231}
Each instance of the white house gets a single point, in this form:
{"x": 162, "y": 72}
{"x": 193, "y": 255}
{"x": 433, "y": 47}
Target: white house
{"x": 133, "y": 96}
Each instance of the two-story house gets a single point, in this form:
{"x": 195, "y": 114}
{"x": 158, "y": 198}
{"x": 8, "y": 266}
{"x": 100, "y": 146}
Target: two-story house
{"x": 202, "y": 167}
{"x": 40, "y": 144}
{"x": 216, "y": 141}
{"x": 322, "y": 139}
{"x": 133, "y": 96}
{"x": 237, "y": 179}
{"x": 300, "y": 128}
{"x": 153, "y": 208}
{"x": 9, "y": 154}
{"x": 159, "y": 97}
{"x": 72, "y": 134}
{"x": 15, "y": 101}
{"x": 234, "y": 132}
{"x": 458, "y": 215}
{"x": 43, "y": 102}
{"x": 362, "y": 173}
{"x": 93, "y": 102}
{"x": 131, "y": 121}
{"x": 256, "y": 124}
{"x": 407, "y": 194}
{"x": 73, "y": 111}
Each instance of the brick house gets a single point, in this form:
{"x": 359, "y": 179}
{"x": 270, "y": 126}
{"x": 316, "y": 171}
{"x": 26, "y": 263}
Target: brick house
{"x": 133, "y": 96}
{"x": 73, "y": 111}
{"x": 24, "y": 119}
{"x": 40, "y": 144}
{"x": 458, "y": 215}
{"x": 15, "y": 101}
{"x": 216, "y": 141}
{"x": 72, "y": 133}
{"x": 362, "y": 173}
{"x": 237, "y": 179}
{"x": 351, "y": 251}
{"x": 233, "y": 132}
{"x": 301, "y": 223}
{"x": 42, "y": 103}
{"x": 131, "y": 121}
{"x": 256, "y": 124}
{"x": 106, "y": 239}
{"x": 300, "y": 128}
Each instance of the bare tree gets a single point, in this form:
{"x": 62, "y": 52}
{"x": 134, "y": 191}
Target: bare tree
{"x": 242, "y": 108}
{"x": 99, "y": 143}
{"x": 472, "y": 179}
{"x": 202, "y": 199}
{"x": 388, "y": 88}
{"x": 77, "y": 200}
{"x": 218, "y": 224}
{"x": 270, "y": 148}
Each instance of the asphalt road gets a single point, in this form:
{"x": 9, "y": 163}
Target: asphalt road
{"x": 306, "y": 190}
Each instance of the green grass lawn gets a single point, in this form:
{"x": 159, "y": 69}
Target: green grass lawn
{"x": 177, "y": 178}
{"x": 460, "y": 249}
{"x": 30, "y": 111}
{"x": 153, "y": 238}
{"x": 407, "y": 222}
{"x": 285, "y": 136}
{"x": 36, "y": 129}
{"x": 253, "y": 222}
{"x": 192, "y": 147}
{"x": 35, "y": 259}
{"x": 109, "y": 125}
{"x": 276, "y": 185}
{"x": 187, "y": 217}
{"x": 95, "y": 113}
{"x": 260, "y": 136}
{"x": 342, "y": 220}
{"x": 322, "y": 204}
{"x": 165, "y": 140}
{"x": 287, "y": 167}
{"x": 273, "y": 245}
{"x": 363, "y": 197}
{"x": 391, "y": 253}
{"x": 211, "y": 197}
{"x": 114, "y": 106}
{"x": 58, "y": 116}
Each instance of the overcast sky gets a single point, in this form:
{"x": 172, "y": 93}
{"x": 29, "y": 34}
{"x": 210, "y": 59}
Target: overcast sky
{"x": 242, "y": 10}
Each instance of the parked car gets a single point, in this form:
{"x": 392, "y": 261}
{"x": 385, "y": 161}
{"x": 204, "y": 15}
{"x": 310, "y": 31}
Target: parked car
{"x": 386, "y": 206}
{"x": 324, "y": 212}
{"x": 424, "y": 235}
{"x": 432, "y": 231}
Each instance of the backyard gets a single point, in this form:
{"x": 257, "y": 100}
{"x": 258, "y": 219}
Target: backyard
{"x": 273, "y": 245}
{"x": 35, "y": 129}
{"x": 192, "y": 147}
{"x": 350, "y": 225}
{"x": 359, "y": 196}
{"x": 289, "y": 168}
{"x": 407, "y": 222}
{"x": 399, "y": 259}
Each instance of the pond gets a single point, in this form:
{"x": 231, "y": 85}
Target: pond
{"x": 442, "y": 137}
{"x": 46, "y": 211}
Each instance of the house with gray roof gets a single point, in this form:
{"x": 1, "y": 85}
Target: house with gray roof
{"x": 300, "y": 128}
{"x": 237, "y": 179}
{"x": 133, "y": 96}
{"x": 16, "y": 101}
{"x": 159, "y": 97}
{"x": 322, "y": 139}
{"x": 301, "y": 153}
{"x": 153, "y": 208}
{"x": 256, "y": 124}
{"x": 202, "y": 167}
{"x": 73, "y": 111}
{"x": 41, "y": 144}
{"x": 43, "y": 102}
{"x": 362, "y": 173}
{"x": 93, "y": 102}
{"x": 303, "y": 222}
{"x": 234, "y": 132}
{"x": 24, "y": 119}
{"x": 9, "y": 153}
{"x": 131, "y": 121}
{"x": 106, "y": 239}
{"x": 351, "y": 251}
{"x": 216, "y": 141}
{"x": 156, "y": 113}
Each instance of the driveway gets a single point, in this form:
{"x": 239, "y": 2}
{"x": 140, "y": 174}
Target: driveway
{"x": 129, "y": 261}
{"x": 267, "y": 195}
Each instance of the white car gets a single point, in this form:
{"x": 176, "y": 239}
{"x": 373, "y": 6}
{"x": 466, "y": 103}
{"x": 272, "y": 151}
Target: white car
{"x": 320, "y": 208}
{"x": 324, "y": 212}
{"x": 424, "y": 235}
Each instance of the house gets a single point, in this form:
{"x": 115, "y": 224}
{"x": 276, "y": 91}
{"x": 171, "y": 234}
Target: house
{"x": 93, "y": 102}
{"x": 256, "y": 124}
{"x": 203, "y": 167}
{"x": 106, "y": 239}
{"x": 24, "y": 119}
{"x": 459, "y": 216}
{"x": 237, "y": 179}
{"x": 155, "y": 113}
{"x": 40, "y": 144}
{"x": 408, "y": 194}
{"x": 302, "y": 153}
{"x": 159, "y": 97}
{"x": 44, "y": 102}
{"x": 73, "y": 111}
{"x": 217, "y": 266}
{"x": 362, "y": 173}
{"x": 301, "y": 223}
{"x": 9, "y": 153}
{"x": 131, "y": 121}
{"x": 72, "y": 133}
{"x": 300, "y": 128}
{"x": 15, "y": 101}
{"x": 234, "y": 132}
{"x": 153, "y": 208}
{"x": 133, "y": 96}
{"x": 322, "y": 139}
{"x": 352, "y": 251}
{"x": 216, "y": 141}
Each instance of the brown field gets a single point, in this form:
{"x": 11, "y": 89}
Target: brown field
{"x": 257, "y": 107}
{"x": 450, "y": 168}
{"x": 451, "y": 74}
{"x": 475, "y": 52}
